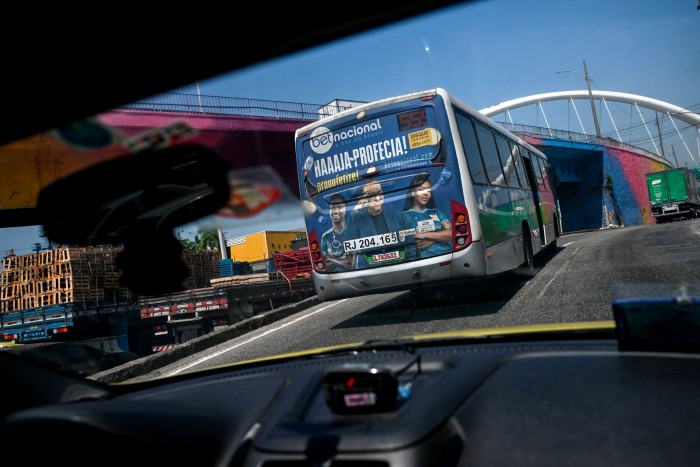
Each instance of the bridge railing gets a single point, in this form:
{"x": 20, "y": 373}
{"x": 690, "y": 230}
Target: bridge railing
{"x": 565, "y": 135}
{"x": 245, "y": 107}
{"x": 233, "y": 106}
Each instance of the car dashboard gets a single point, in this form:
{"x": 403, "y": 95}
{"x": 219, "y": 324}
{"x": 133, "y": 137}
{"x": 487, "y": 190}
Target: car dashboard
{"x": 547, "y": 402}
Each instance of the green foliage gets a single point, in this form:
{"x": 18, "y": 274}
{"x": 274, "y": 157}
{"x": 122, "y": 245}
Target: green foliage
{"x": 188, "y": 244}
{"x": 204, "y": 240}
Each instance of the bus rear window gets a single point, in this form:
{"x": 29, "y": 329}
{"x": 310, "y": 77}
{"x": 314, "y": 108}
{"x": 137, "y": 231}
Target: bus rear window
{"x": 342, "y": 153}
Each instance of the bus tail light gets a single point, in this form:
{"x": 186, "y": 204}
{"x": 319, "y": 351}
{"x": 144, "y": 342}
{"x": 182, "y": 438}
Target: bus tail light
{"x": 318, "y": 261}
{"x": 461, "y": 230}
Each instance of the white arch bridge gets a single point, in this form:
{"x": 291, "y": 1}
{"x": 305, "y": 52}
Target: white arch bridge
{"x": 601, "y": 177}
{"x": 653, "y": 136}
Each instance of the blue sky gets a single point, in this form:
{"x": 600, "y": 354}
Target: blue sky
{"x": 490, "y": 52}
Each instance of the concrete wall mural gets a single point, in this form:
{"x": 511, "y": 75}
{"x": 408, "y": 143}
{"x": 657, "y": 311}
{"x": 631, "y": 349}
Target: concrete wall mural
{"x": 584, "y": 169}
{"x": 599, "y": 186}
{"x": 628, "y": 197}
{"x": 609, "y": 177}
{"x": 242, "y": 140}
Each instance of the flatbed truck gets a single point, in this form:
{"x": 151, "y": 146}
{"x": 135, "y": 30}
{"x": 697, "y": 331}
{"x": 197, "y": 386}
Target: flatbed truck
{"x": 139, "y": 324}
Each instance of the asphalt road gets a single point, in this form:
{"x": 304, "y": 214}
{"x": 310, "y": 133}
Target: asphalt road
{"x": 576, "y": 283}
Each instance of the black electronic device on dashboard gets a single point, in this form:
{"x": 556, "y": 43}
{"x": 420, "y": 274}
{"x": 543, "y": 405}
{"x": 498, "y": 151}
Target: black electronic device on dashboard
{"x": 360, "y": 388}
{"x": 658, "y": 324}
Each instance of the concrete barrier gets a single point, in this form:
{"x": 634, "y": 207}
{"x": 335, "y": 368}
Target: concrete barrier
{"x": 153, "y": 362}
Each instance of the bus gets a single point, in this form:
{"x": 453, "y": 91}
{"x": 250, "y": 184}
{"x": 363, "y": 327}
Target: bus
{"x": 420, "y": 189}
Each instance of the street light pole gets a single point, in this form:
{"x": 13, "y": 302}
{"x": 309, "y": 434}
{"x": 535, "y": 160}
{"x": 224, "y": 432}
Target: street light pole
{"x": 222, "y": 244}
{"x": 199, "y": 96}
{"x": 590, "y": 94}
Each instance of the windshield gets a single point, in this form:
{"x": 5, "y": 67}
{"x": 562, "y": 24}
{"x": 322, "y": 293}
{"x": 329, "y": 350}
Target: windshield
{"x": 487, "y": 165}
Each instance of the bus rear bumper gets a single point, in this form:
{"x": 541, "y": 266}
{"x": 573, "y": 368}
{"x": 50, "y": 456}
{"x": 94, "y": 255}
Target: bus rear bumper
{"x": 401, "y": 276}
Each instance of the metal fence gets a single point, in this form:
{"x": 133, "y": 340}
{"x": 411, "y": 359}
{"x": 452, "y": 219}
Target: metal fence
{"x": 565, "y": 135}
{"x": 245, "y": 107}
{"x": 234, "y": 106}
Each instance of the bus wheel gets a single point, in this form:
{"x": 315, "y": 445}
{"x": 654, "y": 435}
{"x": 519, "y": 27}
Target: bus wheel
{"x": 528, "y": 267}
{"x": 552, "y": 247}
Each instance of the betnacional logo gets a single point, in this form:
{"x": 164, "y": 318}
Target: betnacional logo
{"x": 322, "y": 138}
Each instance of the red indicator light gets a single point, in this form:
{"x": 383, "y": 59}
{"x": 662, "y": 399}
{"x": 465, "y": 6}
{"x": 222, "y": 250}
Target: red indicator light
{"x": 350, "y": 382}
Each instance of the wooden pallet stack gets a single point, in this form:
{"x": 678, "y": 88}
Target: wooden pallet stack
{"x": 59, "y": 276}
{"x": 81, "y": 275}
{"x": 203, "y": 265}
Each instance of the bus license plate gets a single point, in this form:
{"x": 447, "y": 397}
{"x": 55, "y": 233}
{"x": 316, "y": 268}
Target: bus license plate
{"x": 374, "y": 241}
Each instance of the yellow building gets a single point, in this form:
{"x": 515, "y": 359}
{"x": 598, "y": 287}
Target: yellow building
{"x": 261, "y": 246}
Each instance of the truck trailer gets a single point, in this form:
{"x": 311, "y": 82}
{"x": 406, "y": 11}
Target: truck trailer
{"x": 673, "y": 195}
{"x": 74, "y": 294}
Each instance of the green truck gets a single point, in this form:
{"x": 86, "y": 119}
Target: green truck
{"x": 673, "y": 195}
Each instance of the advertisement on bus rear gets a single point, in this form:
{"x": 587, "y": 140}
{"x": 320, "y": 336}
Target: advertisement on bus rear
{"x": 377, "y": 190}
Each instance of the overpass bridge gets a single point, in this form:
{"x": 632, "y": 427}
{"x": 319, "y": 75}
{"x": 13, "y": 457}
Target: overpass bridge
{"x": 601, "y": 179}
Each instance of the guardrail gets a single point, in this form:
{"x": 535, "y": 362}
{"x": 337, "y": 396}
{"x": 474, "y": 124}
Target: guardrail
{"x": 234, "y": 106}
{"x": 245, "y": 107}
{"x": 565, "y": 135}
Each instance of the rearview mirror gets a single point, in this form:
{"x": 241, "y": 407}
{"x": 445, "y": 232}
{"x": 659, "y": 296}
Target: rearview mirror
{"x": 136, "y": 201}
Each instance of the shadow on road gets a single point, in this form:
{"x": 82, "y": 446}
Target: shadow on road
{"x": 475, "y": 297}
